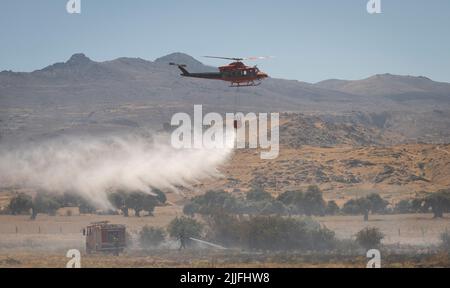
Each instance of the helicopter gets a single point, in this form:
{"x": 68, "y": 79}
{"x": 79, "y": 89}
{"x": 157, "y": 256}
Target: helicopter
{"x": 237, "y": 73}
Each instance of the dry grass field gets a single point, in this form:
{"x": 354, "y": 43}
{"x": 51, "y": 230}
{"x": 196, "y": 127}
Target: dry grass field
{"x": 212, "y": 259}
{"x": 44, "y": 242}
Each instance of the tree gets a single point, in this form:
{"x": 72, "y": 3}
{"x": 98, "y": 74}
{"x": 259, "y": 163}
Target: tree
{"x": 377, "y": 204}
{"x": 191, "y": 208}
{"x": 44, "y": 203}
{"x": 139, "y": 201}
{"x": 151, "y": 236}
{"x": 404, "y": 206}
{"x": 332, "y": 208}
{"x": 118, "y": 200}
{"x": 313, "y": 201}
{"x": 71, "y": 199}
{"x": 371, "y": 203}
{"x": 184, "y": 228}
{"x": 369, "y": 237}
{"x": 212, "y": 202}
{"x": 309, "y": 203}
{"x": 290, "y": 197}
{"x": 273, "y": 208}
{"x": 160, "y": 196}
{"x": 21, "y": 203}
{"x": 439, "y": 202}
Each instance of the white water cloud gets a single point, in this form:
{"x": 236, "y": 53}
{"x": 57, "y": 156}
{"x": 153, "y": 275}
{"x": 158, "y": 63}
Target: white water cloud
{"x": 90, "y": 167}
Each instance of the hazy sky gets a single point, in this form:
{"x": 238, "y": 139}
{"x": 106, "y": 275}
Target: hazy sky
{"x": 312, "y": 40}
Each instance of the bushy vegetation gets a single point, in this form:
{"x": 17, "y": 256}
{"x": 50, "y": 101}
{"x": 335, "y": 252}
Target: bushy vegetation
{"x": 372, "y": 203}
{"x": 259, "y": 202}
{"x": 50, "y": 203}
{"x": 138, "y": 201}
{"x": 438, "y": 203}
{"x": 332, "y": 208}
{"x": 308, "y": 203}
{"x": 185, "y": 227}
{"x": 369, "y": 237}
{"x": 151, "y": 237}
{"x": 212, "y": 202}
{"x": 271, "y": 233}
{"x": 20, "y": 204}
{"x": 45, "y": 204}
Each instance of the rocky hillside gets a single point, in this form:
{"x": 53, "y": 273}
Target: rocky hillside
{"x": 396, "y": 172}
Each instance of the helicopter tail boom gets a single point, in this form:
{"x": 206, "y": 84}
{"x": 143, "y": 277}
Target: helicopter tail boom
{"x": 207, "y": 75}
{"x": 182, "y": 67}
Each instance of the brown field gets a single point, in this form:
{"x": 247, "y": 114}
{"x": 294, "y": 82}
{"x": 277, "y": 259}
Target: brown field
{"x": 212, "y": 259}
{"x": 44, "y": 242}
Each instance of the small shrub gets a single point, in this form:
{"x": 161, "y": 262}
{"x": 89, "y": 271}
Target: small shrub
{"x": 185, "y": 227}
{"x": 151, "y": 236}
{"x": 369, "y": 237}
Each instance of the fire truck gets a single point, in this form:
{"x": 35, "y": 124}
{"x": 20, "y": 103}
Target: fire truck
{"x": 104, "y": 237}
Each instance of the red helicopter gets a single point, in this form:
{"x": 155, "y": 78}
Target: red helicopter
{"x": 237, "y": 73}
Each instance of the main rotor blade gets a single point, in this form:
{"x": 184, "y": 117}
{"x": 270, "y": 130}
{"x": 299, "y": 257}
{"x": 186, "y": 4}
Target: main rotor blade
{"x": 258, "y": 58}
{"x": 253, "y": 58}
{"x": 226, "y": 58}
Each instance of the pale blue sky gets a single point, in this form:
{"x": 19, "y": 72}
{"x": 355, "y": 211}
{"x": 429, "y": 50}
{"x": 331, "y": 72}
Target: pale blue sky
{"x": 312, "y": 40}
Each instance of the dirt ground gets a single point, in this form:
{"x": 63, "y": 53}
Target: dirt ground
{"x": 213, "y": 259}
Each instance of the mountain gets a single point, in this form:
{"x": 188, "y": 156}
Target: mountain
{"x": 400, "y": 88}
{"x": 189, "y": 61}
{"x": 82, "y": 95}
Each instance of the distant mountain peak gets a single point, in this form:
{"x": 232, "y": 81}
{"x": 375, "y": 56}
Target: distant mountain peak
{"x": 177, "y": 57}
{"x": 182, "y": 58}
{"x": 79, "y": 59}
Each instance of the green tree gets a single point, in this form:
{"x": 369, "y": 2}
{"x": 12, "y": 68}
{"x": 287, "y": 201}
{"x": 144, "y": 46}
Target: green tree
{"x": 313, "y": 201}
{"x": 212, "y": 202}
{"x": 160, "y": 196}
{"x": 21, "y": 203}
{"x": 71, "y": 199}
{"x": 44, "y": 203}
{"x": 371, "y": 203}
{"x": 139, "y": 201}
{"x": 290, "y": 197}
{"x": 439, "y": 202}
{"x": 118, "y": 200}
{"x": 332, "y": 208}
{"x": 185, "y": 228}
{"x": 377, "y": 204}
{"x": 191, "y": 208}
